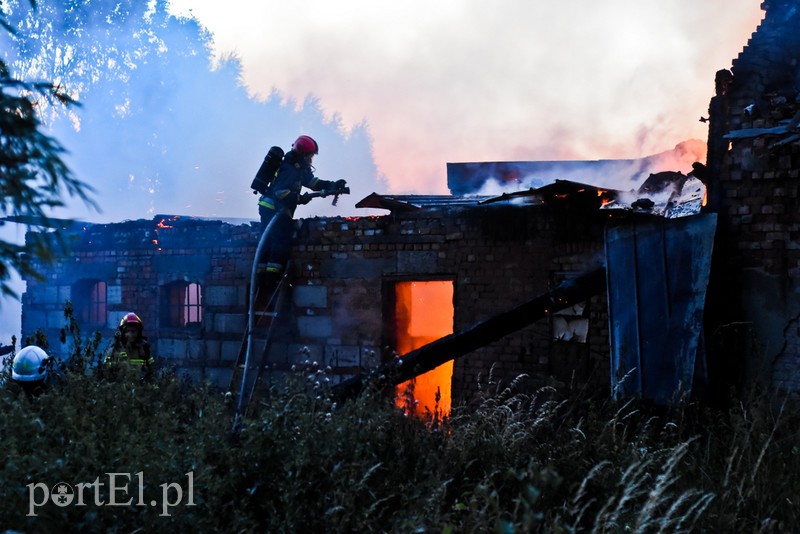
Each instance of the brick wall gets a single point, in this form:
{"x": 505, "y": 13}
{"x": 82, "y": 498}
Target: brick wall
{"x": 496, "y": 256}
{"x": 136, "y": 260}
{"x": 342, "y": 271}
{"x": 756, "y": 178}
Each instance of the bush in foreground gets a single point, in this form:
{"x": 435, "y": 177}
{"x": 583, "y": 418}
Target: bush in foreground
{"x": 512, "y": 462}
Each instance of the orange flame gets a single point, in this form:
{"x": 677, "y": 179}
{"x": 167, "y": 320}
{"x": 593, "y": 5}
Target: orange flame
{"x": 424, "y": 314}
{"x": 604, "y": 199}
{"x": 160, "y": 225}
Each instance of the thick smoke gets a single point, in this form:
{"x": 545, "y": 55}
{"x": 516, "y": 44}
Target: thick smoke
{"x": 533, "y": 81}
{"x": 192, "y": 146}
{"x": 174, "y": 136}
{"x": 623, "y": 175}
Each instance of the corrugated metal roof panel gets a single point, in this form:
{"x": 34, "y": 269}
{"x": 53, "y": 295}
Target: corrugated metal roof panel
{"x": 416, "y": 202}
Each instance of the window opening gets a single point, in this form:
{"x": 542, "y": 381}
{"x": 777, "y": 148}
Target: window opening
{"x": 184, "y": 305}
{"x": 91, "y": 302}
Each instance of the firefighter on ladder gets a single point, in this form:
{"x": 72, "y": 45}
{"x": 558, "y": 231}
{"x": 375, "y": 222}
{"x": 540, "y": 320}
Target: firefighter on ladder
{"x": 280, "y": 200}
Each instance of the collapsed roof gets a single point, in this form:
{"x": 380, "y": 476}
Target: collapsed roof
{"x": 665, "y": 194}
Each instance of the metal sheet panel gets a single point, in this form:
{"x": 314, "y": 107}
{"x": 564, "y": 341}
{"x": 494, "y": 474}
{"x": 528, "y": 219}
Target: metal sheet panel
{"x": 657, "y": 279}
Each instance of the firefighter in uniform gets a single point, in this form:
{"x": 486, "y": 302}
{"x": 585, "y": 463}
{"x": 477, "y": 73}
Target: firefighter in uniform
{"x": 129, "y": 355}
{"x": 281, "y": 199}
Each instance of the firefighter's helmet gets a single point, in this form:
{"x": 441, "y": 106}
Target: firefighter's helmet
{"x": 30, "y": 364}
{"x": 131, "y": 319}
{"x": 305, "y": 145}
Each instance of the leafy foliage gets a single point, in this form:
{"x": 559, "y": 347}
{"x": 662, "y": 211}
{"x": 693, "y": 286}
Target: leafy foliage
{"x": 159, "y": 130}
{"x": 33, "y": 177}
{"x": 82, "y": 44}
{"x": 302, "y": 462}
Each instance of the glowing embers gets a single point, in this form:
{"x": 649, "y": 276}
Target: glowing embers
{"x": 424, "y": 313}
{"x": 162, "y": 224}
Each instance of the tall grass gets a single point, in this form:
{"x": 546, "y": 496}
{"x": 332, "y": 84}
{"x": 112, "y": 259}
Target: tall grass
{"x": 513, "y": 461}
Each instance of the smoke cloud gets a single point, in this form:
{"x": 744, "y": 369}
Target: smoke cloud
{"x": 455, "y": 81}
{"x": 393, "y": 92}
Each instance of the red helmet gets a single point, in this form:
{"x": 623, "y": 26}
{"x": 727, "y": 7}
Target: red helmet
{"x": 305, "y": 145}
{"x": 131, "y": 319}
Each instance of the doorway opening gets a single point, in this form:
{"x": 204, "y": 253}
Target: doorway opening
{"x": 424, "y": 313}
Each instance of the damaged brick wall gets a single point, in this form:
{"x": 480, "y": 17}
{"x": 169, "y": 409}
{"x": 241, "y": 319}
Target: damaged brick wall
{"x": 342, "y": 273}
{"x": 137, "y": 260}
{"x": 754, "y": 160}
{"x": 496, "y": 257}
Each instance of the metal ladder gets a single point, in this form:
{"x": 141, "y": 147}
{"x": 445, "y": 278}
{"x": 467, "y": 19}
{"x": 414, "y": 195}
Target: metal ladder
{"x": 245, "y": 377}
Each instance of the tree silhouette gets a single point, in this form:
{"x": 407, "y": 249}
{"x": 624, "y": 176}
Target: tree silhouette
{"x": 85, "y": 44}
{"x": 159, "y": 131}
{"x": 33, "y": 177}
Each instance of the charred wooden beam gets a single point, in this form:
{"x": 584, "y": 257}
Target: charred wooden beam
{"x": 450, "y": 347}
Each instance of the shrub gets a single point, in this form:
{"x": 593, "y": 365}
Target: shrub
{"x": 300, "y": 461}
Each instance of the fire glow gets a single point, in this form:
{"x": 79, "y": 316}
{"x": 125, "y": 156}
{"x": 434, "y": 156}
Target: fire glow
{"x": 604, "y": 196}
{"x": 161, "y": 225}
{"x": 424, "y": 312}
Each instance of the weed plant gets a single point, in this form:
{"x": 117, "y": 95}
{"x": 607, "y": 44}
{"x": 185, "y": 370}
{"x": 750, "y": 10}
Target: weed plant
{"x": 303, "y": 462}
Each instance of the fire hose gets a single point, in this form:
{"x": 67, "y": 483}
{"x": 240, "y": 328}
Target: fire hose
{"x": 244, "y": 391}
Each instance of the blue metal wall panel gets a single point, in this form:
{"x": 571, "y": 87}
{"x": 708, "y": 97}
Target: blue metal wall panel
{"x": 626, "y": 376}
{"x": 657, "y": 279}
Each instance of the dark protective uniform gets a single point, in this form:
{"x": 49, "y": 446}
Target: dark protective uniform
{"x": 281, "y": 200}
{"x": 132, "y": 361}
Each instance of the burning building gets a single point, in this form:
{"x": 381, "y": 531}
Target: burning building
{"x": 568, "y": 283}
{"x": 362, "y": 291}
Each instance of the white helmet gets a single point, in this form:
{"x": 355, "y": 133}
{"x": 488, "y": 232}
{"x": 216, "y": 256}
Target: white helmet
{"x": 30, "y": 364}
